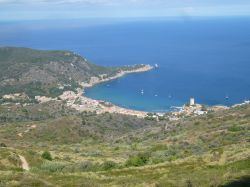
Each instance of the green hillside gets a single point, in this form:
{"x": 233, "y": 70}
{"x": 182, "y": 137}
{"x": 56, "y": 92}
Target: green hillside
{"x": 40, "y": 72}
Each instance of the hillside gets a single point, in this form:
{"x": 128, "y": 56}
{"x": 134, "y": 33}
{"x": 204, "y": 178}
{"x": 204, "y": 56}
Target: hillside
{"x": 118, "y": 150}
{"x": 47, "y": 73}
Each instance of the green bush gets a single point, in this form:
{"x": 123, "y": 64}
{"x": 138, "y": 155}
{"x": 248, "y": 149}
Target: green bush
{"x": 3, "y": 145}
{"x": 234, "y": 128}
{"x": 47, "y": 156}
{"x": 138, "y": 160}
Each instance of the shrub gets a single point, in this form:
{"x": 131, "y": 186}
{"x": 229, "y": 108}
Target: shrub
{"x": 138, "y": 160}
{"x": 197, "y": 123}
{"x": 234, "y": 128}
{"x": 47, "y": 156}
{"x": 3, "y": 145}
{"x": 14, "y": 159}
{"x": 173, "y": 158}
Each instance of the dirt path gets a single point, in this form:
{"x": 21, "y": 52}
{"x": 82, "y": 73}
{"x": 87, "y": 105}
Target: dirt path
{"x": 29, "y": 128}
{"x": 25, "y": 164}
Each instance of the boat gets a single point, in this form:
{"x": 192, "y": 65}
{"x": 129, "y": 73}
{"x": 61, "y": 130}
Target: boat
{"x": 142, "y": 92}
{"x": 156, "y": 65}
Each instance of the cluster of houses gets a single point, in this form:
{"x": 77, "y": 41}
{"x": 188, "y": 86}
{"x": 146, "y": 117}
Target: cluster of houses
{"x": 190, "y": 109}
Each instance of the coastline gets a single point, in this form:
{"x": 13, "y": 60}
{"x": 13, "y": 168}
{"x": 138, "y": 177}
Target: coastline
{"x": 82, "y": 103}
{"x": 96, "y": 80}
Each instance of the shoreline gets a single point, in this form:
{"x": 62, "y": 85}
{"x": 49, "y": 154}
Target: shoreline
{"x": 88, "y": 104}
{"x": 82, "y": 103}
{"x": 96, "y": 80}
{"x": 100, "y": 106}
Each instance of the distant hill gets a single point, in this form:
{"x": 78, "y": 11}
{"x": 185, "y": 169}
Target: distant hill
{"x": 40, "y": 72}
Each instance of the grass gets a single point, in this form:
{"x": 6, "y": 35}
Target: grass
{"x": 116, "y": 150}
{"x": 180, "y": 174}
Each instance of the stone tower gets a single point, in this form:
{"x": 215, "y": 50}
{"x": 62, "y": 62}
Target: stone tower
{"x": 192, "y": 101}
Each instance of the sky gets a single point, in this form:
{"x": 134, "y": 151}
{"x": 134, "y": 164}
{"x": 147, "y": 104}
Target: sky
{"x": 70, "y": 9}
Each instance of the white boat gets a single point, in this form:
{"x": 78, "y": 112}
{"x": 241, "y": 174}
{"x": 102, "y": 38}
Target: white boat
{"x": 142, "y": 92}
{"x": 156, "y": 65}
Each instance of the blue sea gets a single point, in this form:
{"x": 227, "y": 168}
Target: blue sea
{"x": 204, "y": 58}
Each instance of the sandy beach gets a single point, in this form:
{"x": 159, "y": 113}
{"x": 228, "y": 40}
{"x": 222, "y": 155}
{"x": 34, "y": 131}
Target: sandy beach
{"x": 82, "y": 103}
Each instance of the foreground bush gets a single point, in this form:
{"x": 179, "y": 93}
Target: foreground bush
{"x": 47, "y": 156}
{"x": 3, "y": 145}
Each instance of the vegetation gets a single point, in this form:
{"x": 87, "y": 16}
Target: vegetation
{"x": 118, "y": 150}
{"x": 46, "y": 155}
{"x": 140, "y": 159}
{"x": 47, "y": 73}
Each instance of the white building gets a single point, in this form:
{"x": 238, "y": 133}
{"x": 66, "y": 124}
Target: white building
{"x": 199, "y": 112}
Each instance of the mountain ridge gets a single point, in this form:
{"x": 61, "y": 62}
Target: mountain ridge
{"x": 43, "y": 72}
